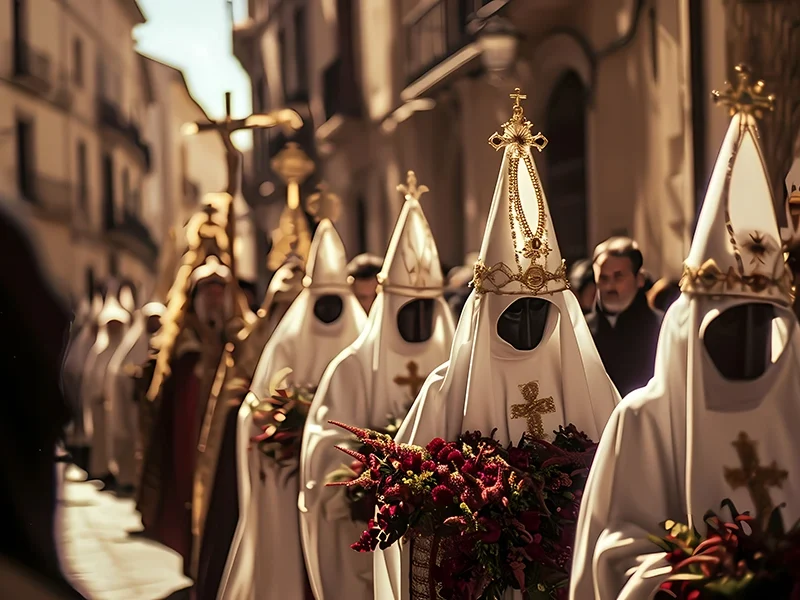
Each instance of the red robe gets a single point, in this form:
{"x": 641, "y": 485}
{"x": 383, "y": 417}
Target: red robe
{"x": 166, "y": 495}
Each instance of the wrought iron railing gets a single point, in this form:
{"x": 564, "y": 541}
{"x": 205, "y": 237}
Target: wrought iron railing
{"x": 109, "y": 115}
{"x": 31, "y": 63}
{"x": 51, "y": 196}
{"x": 133, "y": 235}
{"x": 436, "y": 34}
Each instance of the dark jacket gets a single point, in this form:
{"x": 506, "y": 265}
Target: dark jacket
{"x": 628, "y": 350}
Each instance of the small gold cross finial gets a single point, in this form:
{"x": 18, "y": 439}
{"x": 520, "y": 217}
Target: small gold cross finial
{"x": 517, "y": 96}
{"x": 517, "y": 130}
{"x": 744, "y": 96}
{"x": 533, "y": 408}
{"x": 411, "y": 190}
{"x": 755, "y": 477}
{"x": 413, "y": 380}
{"x": 324, "y": 204}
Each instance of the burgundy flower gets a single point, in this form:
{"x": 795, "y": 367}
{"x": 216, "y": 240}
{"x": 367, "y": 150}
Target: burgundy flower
{"x": 411, "y": 461}
{"x": 455, "y": 457}
{"x": 428, "y": 465}
{"x": 531, "y": 520}
{"x": 491, "y": 532}
{"x": 435, "y": 445}
{"x": 442, "y": 495}
{"x": 519, "y": 458}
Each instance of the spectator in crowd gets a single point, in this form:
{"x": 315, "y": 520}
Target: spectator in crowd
{"x": 362, "y": 273}
{"x": 624, "y": 327}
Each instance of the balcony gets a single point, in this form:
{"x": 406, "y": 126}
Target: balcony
{"x": 133, "y": 236}
{"x": 111, "y": 119}
{"x": 437, "y": 34}
{"x": 32, "y": 67}
{"x": 51, "y": 198}
{"x": 340, "y": 95}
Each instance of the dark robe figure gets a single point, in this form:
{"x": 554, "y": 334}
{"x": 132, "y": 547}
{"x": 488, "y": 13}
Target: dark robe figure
{"x": 35, "y": 326}
{"x": 216, "y": 500}
{"x": 628, "y": 347}
{"x": 165, "y": 497}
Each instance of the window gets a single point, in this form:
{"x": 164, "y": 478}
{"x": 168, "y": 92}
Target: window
{"x": 108, "y": 192}
{"x": 361, "y": 223}
{"x": 300, "y": 58}
{"x": 77, "y": 64}
{"x": 25, "y": 167}
{"x": 566, "y": 165}
{"x": 18, "y": 9}
{"x": 127, "y": 195}
{"x": 18, "y": 17}
{"x": 284, "y": 60}
{"x": 90, "y": 282}
{"x": 83, "y": 178}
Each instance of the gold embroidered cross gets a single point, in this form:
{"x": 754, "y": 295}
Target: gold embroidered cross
{"x": 745, "y": 97}
{"x": 756, "y": 478}
{"x": 533, "y": 408}
{"x": 413, "y": 380}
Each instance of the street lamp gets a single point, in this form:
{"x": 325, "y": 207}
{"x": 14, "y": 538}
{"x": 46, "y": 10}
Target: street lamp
{"x": 498, "y": 40}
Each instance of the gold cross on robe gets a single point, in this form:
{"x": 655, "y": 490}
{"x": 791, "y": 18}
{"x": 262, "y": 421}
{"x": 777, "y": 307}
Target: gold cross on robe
{"x": 756, "y": 478}
{"x": 533, "y": 408}
{"x": 413, "y": 379}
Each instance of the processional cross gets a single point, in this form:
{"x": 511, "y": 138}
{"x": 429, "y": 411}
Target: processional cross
{"x": 413, "y": 379}
{"x": 226, "y": 127}
{"x": 756, "y": 478}
{"x": 533, "y": 408}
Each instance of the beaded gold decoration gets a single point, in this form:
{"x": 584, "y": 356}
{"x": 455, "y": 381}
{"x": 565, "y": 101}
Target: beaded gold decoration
{"x": 533, "y": 248}
{"x": 757, "y": 255}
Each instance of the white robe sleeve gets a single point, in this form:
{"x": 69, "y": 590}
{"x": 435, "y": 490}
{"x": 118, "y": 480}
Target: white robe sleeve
{"x": 327, "y": 528}
{"x": 425, "y": 420}
{"x": 632, "y": 488}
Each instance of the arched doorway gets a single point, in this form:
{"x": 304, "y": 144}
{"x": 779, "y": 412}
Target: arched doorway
{"x": 565, "y": 159}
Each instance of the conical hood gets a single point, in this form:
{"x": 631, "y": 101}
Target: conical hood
{"x": 113, "y": 311}
{"x": 412, "y": 267}
{"x": 736, "y": 250}
{"x": 326, "y": 269}
{"x": 520, "y": 253}
{"x": 126, "y": 298}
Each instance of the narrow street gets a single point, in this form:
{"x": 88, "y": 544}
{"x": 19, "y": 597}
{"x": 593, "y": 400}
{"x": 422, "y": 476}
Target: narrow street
{"x": 99, "y": 557}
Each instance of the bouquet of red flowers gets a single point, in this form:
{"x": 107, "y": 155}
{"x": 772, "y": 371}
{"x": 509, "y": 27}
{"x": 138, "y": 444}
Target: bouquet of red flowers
{"x": 738, "y": 560}
{"x": 362, "y": 501}
{"x": 282, "y": 416}
{"x": 487, "y": 517}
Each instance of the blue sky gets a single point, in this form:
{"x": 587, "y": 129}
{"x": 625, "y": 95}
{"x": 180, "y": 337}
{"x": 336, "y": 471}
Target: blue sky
{"x": 195, "y": 36}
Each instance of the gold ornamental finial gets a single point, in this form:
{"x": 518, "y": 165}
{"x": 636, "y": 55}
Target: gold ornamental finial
{"x": 745, "y": 97}
{"x": 324, "y": 204}
{"x": 412, "y": 191}
{"x": 517, "y": 130}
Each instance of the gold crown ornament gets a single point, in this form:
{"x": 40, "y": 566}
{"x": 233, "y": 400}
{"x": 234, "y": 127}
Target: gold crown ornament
{"x": 531, "y": 273}
{"x": 743, "y": 257}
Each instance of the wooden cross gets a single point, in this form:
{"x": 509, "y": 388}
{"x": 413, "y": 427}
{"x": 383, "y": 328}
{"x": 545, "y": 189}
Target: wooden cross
{"x": 756, "y": 478}
{"x": 744, "y": 97}
{"x": 533, "y": 408}
{"x": 413, "y": 380}
{"x": 226, "y": 127}
{"x": 411, "y": 191}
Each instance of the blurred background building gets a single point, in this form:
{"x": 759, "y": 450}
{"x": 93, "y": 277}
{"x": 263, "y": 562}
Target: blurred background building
{"x": 621, "y": 88}
{"x": 92, "y": 154}
{"x": 90, "y": 147}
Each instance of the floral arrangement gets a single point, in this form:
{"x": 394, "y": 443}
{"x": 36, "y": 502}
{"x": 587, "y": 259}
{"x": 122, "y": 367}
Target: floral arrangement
{"x": 500, "y": 517}
{"x": 362, "y": 501}
{"x": 739, "y": 559}
{"x": 281, "y": 417}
